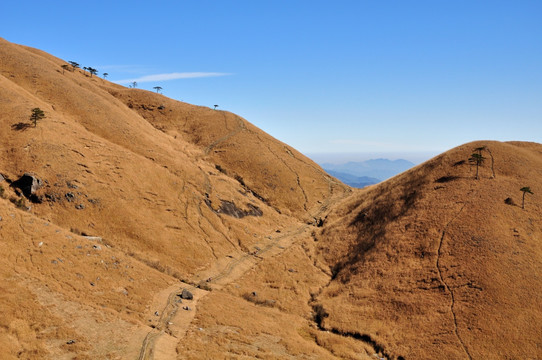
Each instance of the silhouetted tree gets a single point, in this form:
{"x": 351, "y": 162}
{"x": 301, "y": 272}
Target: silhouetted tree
{"x": 92, "y": 71}
{"x": 37, "y": 114}
{"x": 64, "y": 67}
{"x": 157, "y": 88}
{"x": 105, "y": 75}
{"x": 134, "y": 84}
{"x": 215, "y": 107}
{"x": 478, "y": 159}
{"x": 74, "y": 65}
{"x": 526, "y": 190}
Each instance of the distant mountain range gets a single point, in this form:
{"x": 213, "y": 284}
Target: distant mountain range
{"x": 364, "y": 173}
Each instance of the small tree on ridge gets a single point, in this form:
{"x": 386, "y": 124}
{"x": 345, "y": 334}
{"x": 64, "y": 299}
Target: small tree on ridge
{"x": 478, "y": 159}
{"x": 525, "y": 190}
{"x": 74, "y": 65}
{"x": 92, "y": 71}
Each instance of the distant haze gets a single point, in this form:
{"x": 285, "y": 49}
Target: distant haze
{"x": 363, "y": 173}
{"x": 341, "y": 158}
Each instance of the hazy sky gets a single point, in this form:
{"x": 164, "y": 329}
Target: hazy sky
{"x": 323, "y": 76}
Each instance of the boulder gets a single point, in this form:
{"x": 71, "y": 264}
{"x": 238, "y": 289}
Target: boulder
{"x": 185, "y": 294}
{"x": 28, "y": 184}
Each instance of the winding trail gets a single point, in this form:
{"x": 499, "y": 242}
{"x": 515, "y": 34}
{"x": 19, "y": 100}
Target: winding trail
{"x": 447, "y": 287}
{"x": 240, "y": 128}
{"x": 223, "y": 272}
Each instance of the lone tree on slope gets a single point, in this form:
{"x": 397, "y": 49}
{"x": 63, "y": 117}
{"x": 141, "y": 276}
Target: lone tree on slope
{"x": 37, "y": 114}
{"x": 105, "y": 75}
{"x": 92, "y": 71}
{"x": 525, "y": 190}
{"x": 215, "y": 107}
{"x": 74, "y": 65}
{"x": 157, "y": 88}
{"x": 478, "y": 159}
{"x": 134, "y": 84}
{"x": 64, "y": 67}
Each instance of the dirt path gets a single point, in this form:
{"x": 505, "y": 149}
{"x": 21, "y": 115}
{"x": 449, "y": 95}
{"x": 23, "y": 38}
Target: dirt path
{"x": 174, "y": 321}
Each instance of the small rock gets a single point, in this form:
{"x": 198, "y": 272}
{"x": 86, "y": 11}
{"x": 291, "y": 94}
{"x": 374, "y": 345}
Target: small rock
{"x": 92, "y": 284}
{"x": 69, "y": 342}
{"x": 156, "y": 313}
{"x": 185, "y": 294}
{"x": 97, "y": 247}
{"x": 187, "y": 308}
{"x": 71, "y": 185}
{"x": 254, "y": 293}
{"x": 70, "y": 196}
{"x": 80, "y": 207}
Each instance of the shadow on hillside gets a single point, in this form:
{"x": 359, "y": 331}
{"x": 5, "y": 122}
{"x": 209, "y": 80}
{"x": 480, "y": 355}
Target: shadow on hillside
{"x": 21, "y": 126}
{"x": 371, "y": 222}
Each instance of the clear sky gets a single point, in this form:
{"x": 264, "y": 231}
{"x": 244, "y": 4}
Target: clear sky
{"x": 323, "y": 76}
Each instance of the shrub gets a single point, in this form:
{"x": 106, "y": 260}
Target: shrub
{"x": 253, "y": 298}
{"x": 19, "y": 203}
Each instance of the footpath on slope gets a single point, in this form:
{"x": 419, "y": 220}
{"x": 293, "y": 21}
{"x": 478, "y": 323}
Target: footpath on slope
{"x": 161, "y": 341}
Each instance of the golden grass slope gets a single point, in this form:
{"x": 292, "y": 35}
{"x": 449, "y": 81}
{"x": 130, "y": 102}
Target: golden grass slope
{"x": 436, "y": 264}
{"x": 157, "y": 180}
{"x": 141, "y": 179}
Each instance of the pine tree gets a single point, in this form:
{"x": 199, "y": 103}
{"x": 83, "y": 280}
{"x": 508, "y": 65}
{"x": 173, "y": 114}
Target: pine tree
{"x": 478, "y": 159}
{"x": 37, "y": 114}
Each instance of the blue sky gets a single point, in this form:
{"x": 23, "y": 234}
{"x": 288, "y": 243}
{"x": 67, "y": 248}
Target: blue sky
{"x": 401, "y": 77}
